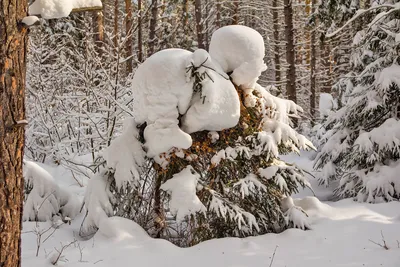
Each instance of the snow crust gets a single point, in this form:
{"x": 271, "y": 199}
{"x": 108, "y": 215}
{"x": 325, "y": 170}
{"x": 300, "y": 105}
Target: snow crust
{"x": 240, "y": 50}
{"x": 182, "y": 189}
{"x": 46, "y": 198}
{"x": 51, "y": 9}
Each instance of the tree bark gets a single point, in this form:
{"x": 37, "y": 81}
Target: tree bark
{"x": 235, "y": 16}
{"x": 129, "y": 36}
{"x": 153, "y": 24}
{"x": 115, "y": 25}
{"x": 290, "y": 54}
{"x": 98, "y": 22}
{"x": 218, "y": 20}
{"x": 199, "y": 24}
{"x": 140, "y": 42}
{"x": 277, "y": 52}
{"x": 13, "y": 42}
{"x": 313, "y": 53}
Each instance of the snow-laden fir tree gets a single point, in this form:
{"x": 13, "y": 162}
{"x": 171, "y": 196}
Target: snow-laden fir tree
{"x": 200, "y": 160}
{"x": 363, "y": 144}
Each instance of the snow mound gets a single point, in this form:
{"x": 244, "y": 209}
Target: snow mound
{"x": 240, "y": 50}
{"x": 216, "y": 106}
{"x": 295, "y": 214}
{"x": 161, "y": 93}
{"x": 118, "y": 228}
{"x": 44, "y": 198}
{"x": 182, "y": 188}
{"x": 125, "y": 155}
{"x": 52, "y": 9}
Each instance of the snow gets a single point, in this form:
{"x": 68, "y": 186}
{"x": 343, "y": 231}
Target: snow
{"x": 240, "y": 50}
{"x": 339, "y": 236}
{"x": 97, "y": 203}
{"x": 217, "y": 106}
{"x": 30, "y": 20}
{"x": 388, "y": 76}
{"x": 182, "y": 189}
{"x": 46, "y": 198}
{"x": 161, "y": 92}
{"x": 51, "y": 9}
{"x": 164, "y": 88}
{"x": 125, "y": 155}
{"x": 249, "y": 183}
{"x": 326, "y": 104}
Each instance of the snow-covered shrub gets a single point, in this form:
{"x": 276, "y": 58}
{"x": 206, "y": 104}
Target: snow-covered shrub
{"x": 362, "y": 147}
{"x": 211, "y": 167}
{"x": 44, "y": 198}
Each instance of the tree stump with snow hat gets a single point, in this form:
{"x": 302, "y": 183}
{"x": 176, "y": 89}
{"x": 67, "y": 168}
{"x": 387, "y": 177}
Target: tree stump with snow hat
{"x": 213, "y": 143}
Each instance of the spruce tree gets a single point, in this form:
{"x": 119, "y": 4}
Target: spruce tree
{"x": 362, "y": 147}
{"x": 227, "y": 183}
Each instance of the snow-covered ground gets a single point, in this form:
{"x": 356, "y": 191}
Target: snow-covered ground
{"x": 342, "y": 234}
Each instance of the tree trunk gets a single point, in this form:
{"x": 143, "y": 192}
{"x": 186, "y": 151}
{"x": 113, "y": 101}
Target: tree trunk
{"x": 235, "y": 16}
{"x": 140, "y": 42}
{"x": 277, "y": 52}
{"x": 115, "y": 25}
{"x": 218, "y": 20}
{"x": 153, "y": 24}
{"x": 13, "y": 42}
{"x": 199, "y": 24}
{"x": 129, "y": 36}
{"x": 290, "y": 55}
{"x": 98, "y": 22}
{"x": 313, "y": 64}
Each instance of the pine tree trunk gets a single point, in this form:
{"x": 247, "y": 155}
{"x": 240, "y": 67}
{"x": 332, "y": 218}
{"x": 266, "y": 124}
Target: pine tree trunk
{"x": 116, "y": 25}
{"x": 218, "y": 20}
{"x": 153, "y": 24}
{"x": 140, "y": 39}
{"x": 129, "y": 35}
{"x": 290, "y": 55}
{"x": 206, "y": 29}
{"x": 13, "y": 42}
{"x": 235, "y": 16}
{"x": 277, "y": 52}
{"x": 199, "y": 24}
{"x": 313, "y": 65}
{"x": 98, "y": 24}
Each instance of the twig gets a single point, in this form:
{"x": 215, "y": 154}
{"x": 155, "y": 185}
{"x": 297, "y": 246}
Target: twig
{"x": 384, "y": 242}
{"x": 273, "y": 256}
{"x": 55, "y": 261}
{"x": 81, "y": 253}
{"x": 73, "y": 175}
